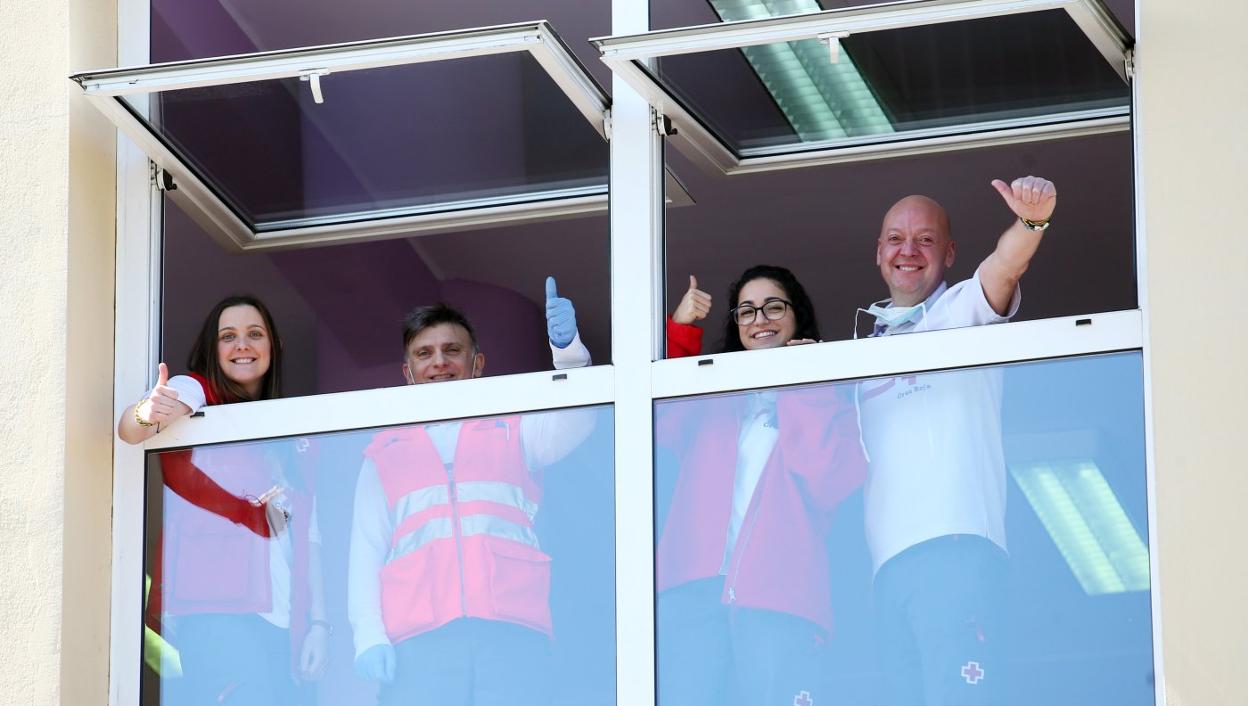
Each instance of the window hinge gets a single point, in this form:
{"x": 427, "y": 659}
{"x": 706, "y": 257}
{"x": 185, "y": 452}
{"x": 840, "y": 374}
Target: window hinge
{"x": 606, "y": 124}
{"x": 833, "y": 41}
{"x": 313, "y": 77}
{"x": 661, "y": 124}
{"x": 1128, "y": 61}
{"x": 163, "y": 179}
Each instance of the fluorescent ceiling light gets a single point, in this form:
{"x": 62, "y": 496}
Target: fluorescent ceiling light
{"x": 820, "y": 99}
{"x": 1087, "y": 523}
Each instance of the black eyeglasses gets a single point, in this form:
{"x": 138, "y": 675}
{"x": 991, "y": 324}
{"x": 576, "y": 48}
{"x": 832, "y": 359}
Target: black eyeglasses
{"x": 773, "y": 310}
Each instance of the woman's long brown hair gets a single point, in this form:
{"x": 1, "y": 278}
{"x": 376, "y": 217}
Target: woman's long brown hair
{"x": 203, "y": 358}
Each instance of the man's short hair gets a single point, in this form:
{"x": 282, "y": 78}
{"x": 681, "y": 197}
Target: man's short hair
{"x": 423, "y": 317}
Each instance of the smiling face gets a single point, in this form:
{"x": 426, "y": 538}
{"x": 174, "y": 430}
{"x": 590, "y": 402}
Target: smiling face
{"x": 244, "y": 347}
{"x": 914, "y": 249}
{"x": 439, "y": 353}
{"x": 763, "y": 333}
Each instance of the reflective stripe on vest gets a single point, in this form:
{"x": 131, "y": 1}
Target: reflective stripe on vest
{"x": 419, "y": 501}
{"x": 437, "y": 528}
{"x": 495, "y": 492}
{"x": 498, "y": 527}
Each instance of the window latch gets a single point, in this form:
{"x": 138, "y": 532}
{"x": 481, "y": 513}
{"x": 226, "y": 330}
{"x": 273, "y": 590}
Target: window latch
{"x": 833, "y": 42}
{"x": 313, "y": 77}
{"x": 662, "y": 124}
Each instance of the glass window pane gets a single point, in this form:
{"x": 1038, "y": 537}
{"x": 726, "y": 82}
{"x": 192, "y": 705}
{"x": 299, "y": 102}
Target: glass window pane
{"x": 387, "y": 142}
{"x": 196, "y": 30}
{"x": 996, "y": 537}
{"x": 669, "y": 14}
{"x": 340, "y": 309}
{"x": 898, "y": 84}
{"x": 824, "y": 225}
{"x": 477, "y": 553}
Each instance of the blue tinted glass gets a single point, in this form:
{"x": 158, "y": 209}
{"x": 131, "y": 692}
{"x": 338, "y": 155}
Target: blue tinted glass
{"x": 997, "y": 537}
{"x": 456, "y": 562}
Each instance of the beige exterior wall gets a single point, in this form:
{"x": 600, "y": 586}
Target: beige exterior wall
{"x": 1194, "y": 104}
{"x": 56, "y": 248}
{"x": 57, "y": 225}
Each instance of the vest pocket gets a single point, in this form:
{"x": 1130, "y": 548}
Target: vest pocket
{"x": 520, "y": 583}
{"x": 411, "y": 592}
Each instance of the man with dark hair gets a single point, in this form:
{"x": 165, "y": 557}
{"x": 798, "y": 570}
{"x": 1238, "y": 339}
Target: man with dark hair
{"x": 448, "y": 588}
{"x": 934, "y": 499}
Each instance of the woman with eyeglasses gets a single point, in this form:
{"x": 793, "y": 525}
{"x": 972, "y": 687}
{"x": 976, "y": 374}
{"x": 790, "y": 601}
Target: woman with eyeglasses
{"x": 236, "y": 580}
{"x": 746, "y": 487}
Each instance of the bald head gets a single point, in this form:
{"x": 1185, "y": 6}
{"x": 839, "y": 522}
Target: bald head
{"x": 914, "y": 249}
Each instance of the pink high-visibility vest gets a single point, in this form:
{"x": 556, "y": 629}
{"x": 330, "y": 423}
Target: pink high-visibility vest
{"x": 463, "y": 543}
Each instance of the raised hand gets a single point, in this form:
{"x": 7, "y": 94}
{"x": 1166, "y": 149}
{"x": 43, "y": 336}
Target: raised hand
{"x": 162, "y": 406}
{"x": 1031, "y": 198}
{"x": 560, "y": 317}
{"x": 376, "y": 664}
{"x": 695, "y": 305}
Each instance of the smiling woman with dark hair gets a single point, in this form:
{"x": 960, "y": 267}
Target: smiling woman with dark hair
{"x": 744, "y": 586}
{"x": 236, "y": 575}
{"x": 767, "y": 308}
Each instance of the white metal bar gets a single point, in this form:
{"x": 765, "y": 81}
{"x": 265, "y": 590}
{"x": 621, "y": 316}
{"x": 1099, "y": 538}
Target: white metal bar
{"x": 636, "y": 245}
{"x": 134, "y": 346}
{"x": 1150, "y": 456}
{"x": 856, "y": 20}
{"x": 1046, "y": 131}
{"x": 198, "y": 200}
{"x": 292, "y": 63}
{"x": 892, "y": 355}
{"x": 1100, "y": 27}
{"x": 572, "y": 78}
{"x": 405, "y": 404}
{"x": 431, "y": 223}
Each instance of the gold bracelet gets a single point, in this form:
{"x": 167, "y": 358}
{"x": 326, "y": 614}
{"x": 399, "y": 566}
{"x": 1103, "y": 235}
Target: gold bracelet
{"x": 1034, "y": 225}
{"x": 139, "y": 419}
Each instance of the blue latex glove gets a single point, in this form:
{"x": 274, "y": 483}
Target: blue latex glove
{"x": 376, "y": 664}
{"x": 560, "y": 317}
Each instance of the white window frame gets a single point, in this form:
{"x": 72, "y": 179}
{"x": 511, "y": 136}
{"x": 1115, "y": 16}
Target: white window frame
{"x": 107, "y": 89}
{"x": 623, "y": 52}
{"x": 632, "y": 383}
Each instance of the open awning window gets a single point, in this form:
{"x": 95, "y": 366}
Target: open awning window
{"x": 769, "y": 89}
{"x": 387, "y": 137}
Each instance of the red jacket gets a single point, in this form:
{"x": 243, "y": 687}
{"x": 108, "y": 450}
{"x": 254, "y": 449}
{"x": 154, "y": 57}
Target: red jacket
{"x": 213, "y": 555}
{"x": 463, "y": 542}
{"x": 780, "y": 559}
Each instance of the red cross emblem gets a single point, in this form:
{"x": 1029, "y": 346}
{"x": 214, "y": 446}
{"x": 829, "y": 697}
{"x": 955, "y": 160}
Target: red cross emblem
{"x": 803, "y": 699}
{"x": 972, "y": 673}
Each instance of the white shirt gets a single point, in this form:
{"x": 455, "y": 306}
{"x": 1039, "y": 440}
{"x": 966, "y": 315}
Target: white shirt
{"x": 934, "y": 439}
{"x": 759, "y": 432}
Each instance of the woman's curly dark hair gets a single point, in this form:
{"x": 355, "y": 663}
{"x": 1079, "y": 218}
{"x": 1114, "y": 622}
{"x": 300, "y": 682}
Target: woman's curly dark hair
{"x": 803, "y": 308}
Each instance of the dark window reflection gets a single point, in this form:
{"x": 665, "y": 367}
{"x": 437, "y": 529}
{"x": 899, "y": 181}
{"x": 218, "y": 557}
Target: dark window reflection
{"x": 478, "y": 555}
{"x": 999, "y": 538}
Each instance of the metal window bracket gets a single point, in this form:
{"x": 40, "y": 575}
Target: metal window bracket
{"x": 313, "y": 77}
{"x": 1128, "y": 61}
{"x": 833, "y": 42}
{"x": 662, "y": 124}
{"x": 163, "y": 179}
{"x": 606, "y": 124}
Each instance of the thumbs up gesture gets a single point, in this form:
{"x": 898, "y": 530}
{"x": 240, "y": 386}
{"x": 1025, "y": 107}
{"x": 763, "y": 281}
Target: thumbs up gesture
{"x": 1031, "y": 198}
{"x": 162, "y": 406}
{"x": 695, "y": 305}
{"x": 560, "y": 317}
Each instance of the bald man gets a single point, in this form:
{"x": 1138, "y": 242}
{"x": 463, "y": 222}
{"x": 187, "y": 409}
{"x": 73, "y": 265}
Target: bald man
{"x": 935, "y": 493}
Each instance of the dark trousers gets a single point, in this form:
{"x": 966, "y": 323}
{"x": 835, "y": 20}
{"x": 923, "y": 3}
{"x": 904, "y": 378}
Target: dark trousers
{"x": 471, "y": 662}
{"x": 230, "y": 660}
{"x": 939, "y": 613}
{"x": 712, "y": 654}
